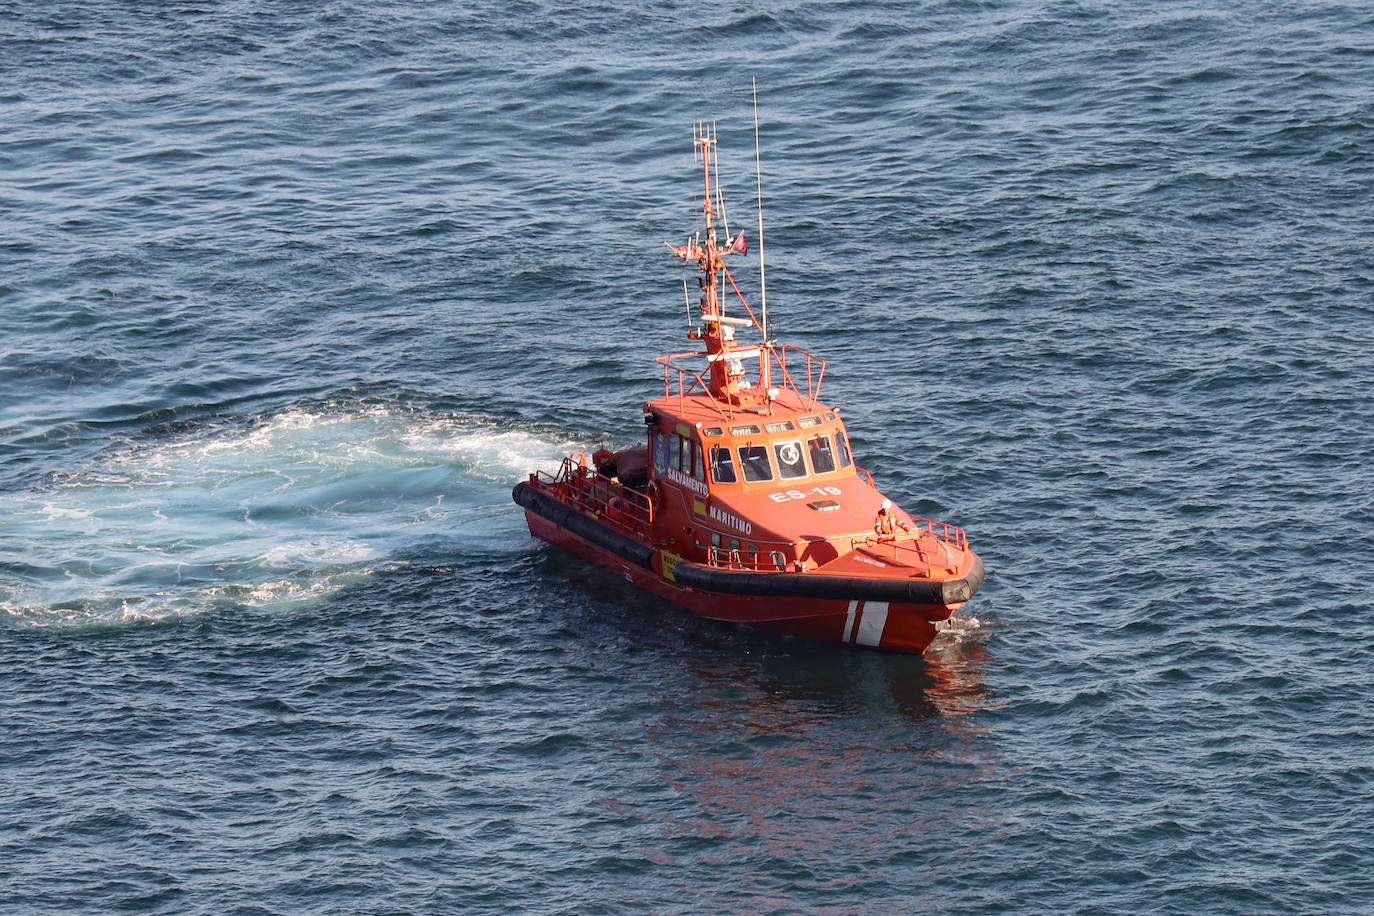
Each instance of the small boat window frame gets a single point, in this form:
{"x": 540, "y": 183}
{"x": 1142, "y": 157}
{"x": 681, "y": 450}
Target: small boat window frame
{"x": 795, "y": 468}
{"x": 673, "y": 450}
{"x": 842, "y": 446}
{"x": 808, "y": 422}
{"x": 818, "y": 447}
{"x": 755, "y": 465}
{"x": 723, "y": 471}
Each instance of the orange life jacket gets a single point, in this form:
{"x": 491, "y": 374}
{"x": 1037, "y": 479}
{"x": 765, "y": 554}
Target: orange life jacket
{"x": 885, "y": 524}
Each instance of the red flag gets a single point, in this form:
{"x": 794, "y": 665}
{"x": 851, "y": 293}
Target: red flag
{"x": 739, "y": 247}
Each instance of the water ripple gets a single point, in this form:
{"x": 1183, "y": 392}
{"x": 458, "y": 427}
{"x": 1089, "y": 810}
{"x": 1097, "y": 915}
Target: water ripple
{"x": 291, "y": 294}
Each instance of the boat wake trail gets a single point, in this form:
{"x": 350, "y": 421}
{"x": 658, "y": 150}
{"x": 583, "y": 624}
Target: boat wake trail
{"x": 276, "y": 515}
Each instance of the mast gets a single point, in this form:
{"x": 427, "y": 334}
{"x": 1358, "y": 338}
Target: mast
{"x": 725, "y": 372}
{"x": 724, "y": 380}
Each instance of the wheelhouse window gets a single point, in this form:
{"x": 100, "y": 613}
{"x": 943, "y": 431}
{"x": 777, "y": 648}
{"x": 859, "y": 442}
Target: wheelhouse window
{"x": 790, "y": 462}
{"x": 722, "y": 465}
{"x": 754, "y": 460}
{"x": 673, "y": 450}
{"x": 822, "y": 458}
{"x": 842, "y": 447}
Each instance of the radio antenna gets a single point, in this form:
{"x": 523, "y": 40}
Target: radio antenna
{"x": 766, "y": 367}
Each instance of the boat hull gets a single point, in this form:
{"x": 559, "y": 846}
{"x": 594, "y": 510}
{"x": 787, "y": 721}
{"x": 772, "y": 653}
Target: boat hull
{"x": 884, "y": 614}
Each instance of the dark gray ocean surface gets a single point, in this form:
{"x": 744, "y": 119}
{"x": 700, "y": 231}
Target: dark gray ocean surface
{"x": 292, "y": 293}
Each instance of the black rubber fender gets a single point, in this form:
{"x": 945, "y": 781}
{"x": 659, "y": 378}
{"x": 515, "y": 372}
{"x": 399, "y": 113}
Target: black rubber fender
{"x": 743, "y": 582}
{"x": 819, "y": 585}
{"x": 565, "y": 516}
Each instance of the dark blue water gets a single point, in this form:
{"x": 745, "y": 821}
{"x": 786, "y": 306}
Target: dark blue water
{"x": 291, "y": 294}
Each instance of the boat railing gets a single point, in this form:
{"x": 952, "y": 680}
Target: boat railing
{"x": 684, "y": 387}
{"x": 616, "y": 505}
{"x": 934, "y": 543}
{"x": 755, "y": 561}
{"x": 941, "y": 531}
{"x": 690, "y": 380}
{"x": 863, "y": 472}
{"x": 815, "y": 370}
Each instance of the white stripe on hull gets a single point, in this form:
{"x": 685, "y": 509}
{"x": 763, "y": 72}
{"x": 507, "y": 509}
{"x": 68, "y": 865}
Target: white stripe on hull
{"x": 872, "y": 624}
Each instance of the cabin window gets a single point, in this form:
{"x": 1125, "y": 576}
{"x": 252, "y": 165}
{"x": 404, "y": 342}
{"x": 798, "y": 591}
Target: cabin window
{"x": 685, "y": 455}
{"x": 842, "y": 448}
{"x": 747, "y": 429}
{"x": 822, "y": 458}
{"x": 754, "y": 460}
{"x": 711, "y": 431}
{"x": 790, "y": 462}
{"x": 780, "y": 426}
{"x": 808, "y": 422}
{"x": 722, "y": 465}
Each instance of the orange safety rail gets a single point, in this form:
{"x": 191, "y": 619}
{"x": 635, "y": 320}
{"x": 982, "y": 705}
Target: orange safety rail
{"x": 815, "y": 374}
{"x": 945, "y": 535}
{"x": 599, "y": 496}
{"x": 815, "y": 371}
{"x": 757, "y": 561}
{"x": 943, "y": 531}
{"x": 683, "y": 389}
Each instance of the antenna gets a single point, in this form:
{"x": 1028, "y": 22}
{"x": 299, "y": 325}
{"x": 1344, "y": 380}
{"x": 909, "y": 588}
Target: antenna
{"x": 720, "y": 195}
{"x": 765, "y": 364}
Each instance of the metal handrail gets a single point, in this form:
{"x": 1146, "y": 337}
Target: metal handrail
{"x": 814, "y": 378}
{"x": 815, "y": 375}
{"x": 734, "y": 558}
{"x": 942, "y": 533}
{"x": 608, "y": 500}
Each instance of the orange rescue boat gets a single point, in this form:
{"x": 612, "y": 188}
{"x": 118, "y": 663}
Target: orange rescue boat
{"x": 745, "y": 504}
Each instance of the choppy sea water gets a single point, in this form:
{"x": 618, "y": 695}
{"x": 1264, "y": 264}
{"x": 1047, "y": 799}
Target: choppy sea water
{"x": 291, "y": 294}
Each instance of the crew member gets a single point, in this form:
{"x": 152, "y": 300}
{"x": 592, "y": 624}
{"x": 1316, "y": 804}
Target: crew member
{"x": 886, "y": 523}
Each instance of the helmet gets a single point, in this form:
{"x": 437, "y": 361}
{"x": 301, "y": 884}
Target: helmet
{"x": 887, "y": 504}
